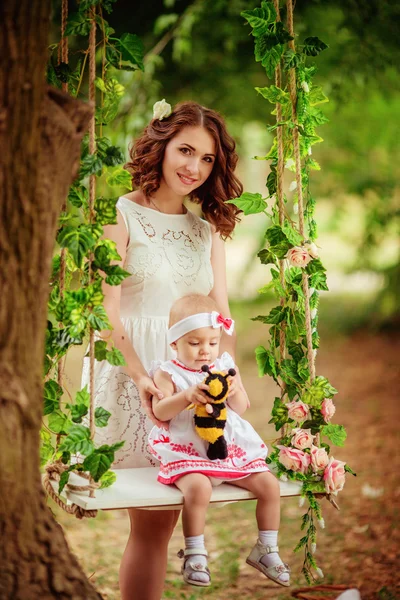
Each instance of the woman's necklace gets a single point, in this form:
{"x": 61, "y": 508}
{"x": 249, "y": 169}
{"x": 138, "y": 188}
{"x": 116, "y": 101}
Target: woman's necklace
{"x": 159, "y": 209}
{"x": 155, "y": 205}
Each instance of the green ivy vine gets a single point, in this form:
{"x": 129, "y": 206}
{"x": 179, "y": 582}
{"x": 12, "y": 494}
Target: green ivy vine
{"x": 304, "y": 408}
{"x": 76, "y": 305}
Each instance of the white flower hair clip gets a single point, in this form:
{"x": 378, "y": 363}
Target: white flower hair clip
{"x": 161, "y": 110}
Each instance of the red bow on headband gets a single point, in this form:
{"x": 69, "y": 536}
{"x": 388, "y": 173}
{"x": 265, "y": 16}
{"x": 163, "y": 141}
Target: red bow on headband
{"x": 226, "y": 323}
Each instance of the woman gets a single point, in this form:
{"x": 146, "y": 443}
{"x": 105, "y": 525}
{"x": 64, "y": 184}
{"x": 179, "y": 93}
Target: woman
{"x": 169, "y": 252}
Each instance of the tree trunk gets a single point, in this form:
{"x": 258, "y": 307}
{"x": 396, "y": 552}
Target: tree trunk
{"x": 40, "y": 135}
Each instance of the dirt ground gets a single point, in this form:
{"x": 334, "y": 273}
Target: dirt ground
{"x": 360, "y": 543}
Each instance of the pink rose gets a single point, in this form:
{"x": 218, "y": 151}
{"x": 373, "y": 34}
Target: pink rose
{"x": 293, "y": 459}
{"x": 302, "y": 438}
{"x": 319, "y": 458}
{"x": 298, "y": 256}
{"x": 298, "y": 411}
{"x": 334, "y": 476}
{"x": 328, "y": 409}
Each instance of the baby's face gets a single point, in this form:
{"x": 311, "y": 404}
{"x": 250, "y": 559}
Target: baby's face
{"x": 198, "y": 347}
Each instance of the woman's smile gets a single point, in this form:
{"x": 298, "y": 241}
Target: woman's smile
{"x": 187, "y": 180}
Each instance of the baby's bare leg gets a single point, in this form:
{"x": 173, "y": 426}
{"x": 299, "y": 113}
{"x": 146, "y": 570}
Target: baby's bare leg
{"x": 265, "y": 487}
{"x": 264, "y": 555}
{"x": 196, "y": 489}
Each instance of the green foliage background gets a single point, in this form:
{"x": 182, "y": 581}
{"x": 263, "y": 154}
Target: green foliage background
{"x": 200, "y": 49}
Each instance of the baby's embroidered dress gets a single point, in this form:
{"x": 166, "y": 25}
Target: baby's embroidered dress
{"x": 168, "y": 256}
{"x": 180, "y": 450}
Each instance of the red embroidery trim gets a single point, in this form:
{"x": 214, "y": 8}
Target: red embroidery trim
{"x": 182, "y": 366}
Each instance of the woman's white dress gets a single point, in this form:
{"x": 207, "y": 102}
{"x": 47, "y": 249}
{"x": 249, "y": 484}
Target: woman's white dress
{"x": 168, "y": 257}
{"x": 180, "y": 450}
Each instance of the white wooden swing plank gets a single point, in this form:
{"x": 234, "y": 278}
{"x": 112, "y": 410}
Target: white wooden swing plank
{"x": 139, "y": 488}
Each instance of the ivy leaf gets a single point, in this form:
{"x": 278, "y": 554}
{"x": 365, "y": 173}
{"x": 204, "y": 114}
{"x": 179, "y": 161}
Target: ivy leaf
{"x": 77, "y": 240}
{"x": 260, "y": 18}
{"x": 296, "y": 351}
{"x": 101, "y": 416}
{"x": 100, "y": 350}
{"x": 113, "y": 156}
{"x": 78, "y": 411}
{"x": 46, "y": 448}
{"x": 59, "y": 422}
{"x": 52, "y": 394}
{"x": 274, "y": 94}
{"x": 131, "y": 48}
{"x": 78, "y": 195}
{"x": 272, "y": 59}
{"x": 313, "y": 46}
{"x": 250, "y": 204}
{"x": 275, "y": 235}
{"x": 119, "y": 176}
{"x": 318, "y": 281}
{"x": 292, "y": 235}
{"x": 78, "y": 440}
{"x": 289, "y": 372}
{"x": 291, "y": 60}
{"x": 266, "y": 257}
{"x": 317, "y": 96}
{"x": 100, "y": 460}
{"x": 115, "y": 357}
{"x": 115, "y": 274}
{"x": 262, "y": 360}
{"x": 83, "y": 396}
{"x": 64, "y": 477}
{"x": 336, "y": 433}
{"x": 106, "y": 212}
{"x": 90, "y": 165}
{"x": 276, "y": 315}
{"x": 98, "y": 319}
{"x": 78, "y": 24}
{"x": 272, "y": 181}
{"x": 315, "y": 266}
{"x": 107, "y": 479}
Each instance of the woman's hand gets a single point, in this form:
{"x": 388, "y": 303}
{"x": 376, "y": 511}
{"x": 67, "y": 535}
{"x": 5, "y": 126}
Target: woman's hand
{"x": 195, "y": 394}
{"x": 148, "y": 389}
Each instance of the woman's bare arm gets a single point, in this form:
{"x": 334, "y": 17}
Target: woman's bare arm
{"x": 219, "y": 293}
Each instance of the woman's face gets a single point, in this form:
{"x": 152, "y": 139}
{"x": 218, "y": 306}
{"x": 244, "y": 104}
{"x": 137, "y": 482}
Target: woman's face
{"x": 188, "y": 160}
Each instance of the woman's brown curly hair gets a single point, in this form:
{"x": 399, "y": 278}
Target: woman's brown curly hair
{"x": 147, "y": 154}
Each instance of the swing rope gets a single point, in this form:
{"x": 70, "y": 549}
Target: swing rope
{"x": 92, "y": 196}
{"x": 279, "y": 191}
{"x": 296, "y": 150}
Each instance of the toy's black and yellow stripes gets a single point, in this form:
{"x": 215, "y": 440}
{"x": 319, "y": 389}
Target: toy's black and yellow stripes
{"x": 210, "y": 427}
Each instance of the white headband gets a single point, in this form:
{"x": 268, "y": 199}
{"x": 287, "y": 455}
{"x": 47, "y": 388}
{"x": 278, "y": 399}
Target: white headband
{"x": 198, "y": 321}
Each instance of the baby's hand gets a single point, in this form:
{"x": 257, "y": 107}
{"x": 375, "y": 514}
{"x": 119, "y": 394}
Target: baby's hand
{"x": 195, "y": 394}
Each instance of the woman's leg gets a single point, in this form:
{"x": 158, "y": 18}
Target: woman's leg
{"x": 144, "y": 563}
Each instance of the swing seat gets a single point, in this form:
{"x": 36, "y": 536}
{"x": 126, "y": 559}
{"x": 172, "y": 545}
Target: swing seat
{"x": 139, "y": 488}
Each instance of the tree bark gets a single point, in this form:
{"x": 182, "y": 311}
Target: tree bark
{"x": 40, "y": 134}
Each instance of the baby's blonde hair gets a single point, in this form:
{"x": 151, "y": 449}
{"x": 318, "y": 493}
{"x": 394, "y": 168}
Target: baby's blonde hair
{"x": 190, "y": 305}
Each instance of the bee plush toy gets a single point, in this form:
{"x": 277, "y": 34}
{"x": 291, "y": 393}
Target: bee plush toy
{"x": 210, "y": 419}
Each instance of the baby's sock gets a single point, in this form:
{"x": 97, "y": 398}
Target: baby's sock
{"x": 197, "y": 541}
{"x": 270, "y": 538}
